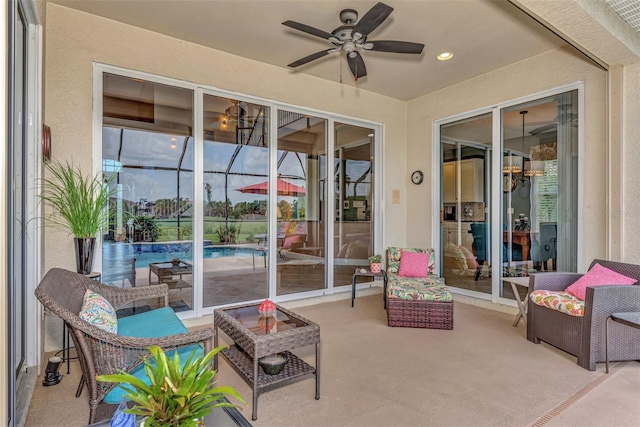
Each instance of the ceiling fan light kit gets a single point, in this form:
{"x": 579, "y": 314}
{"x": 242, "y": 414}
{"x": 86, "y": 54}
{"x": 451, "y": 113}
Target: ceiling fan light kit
{"x": 352, "y": 37}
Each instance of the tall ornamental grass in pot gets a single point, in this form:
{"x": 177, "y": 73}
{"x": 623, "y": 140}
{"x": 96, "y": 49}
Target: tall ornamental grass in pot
{"x": 80, "y": 205}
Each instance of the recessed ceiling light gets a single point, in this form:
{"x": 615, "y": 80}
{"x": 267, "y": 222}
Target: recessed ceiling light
{"x": 445, "y": 56}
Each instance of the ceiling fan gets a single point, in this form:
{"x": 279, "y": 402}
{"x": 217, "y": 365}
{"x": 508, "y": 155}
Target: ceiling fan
{"x": 552, "y": 125}
{"x": 353, "y": 36}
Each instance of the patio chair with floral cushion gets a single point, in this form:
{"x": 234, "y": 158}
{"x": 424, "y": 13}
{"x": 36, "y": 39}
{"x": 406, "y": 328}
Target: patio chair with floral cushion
{"x": 569, "y": 311}
{"x": 106, "y": 345}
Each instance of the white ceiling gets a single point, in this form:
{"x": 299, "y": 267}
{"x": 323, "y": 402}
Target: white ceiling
{"x": 483, "y": 35}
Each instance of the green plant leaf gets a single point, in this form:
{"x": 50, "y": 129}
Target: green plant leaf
{"x": 79, "y": 202}
{"x": 176, "y": 394}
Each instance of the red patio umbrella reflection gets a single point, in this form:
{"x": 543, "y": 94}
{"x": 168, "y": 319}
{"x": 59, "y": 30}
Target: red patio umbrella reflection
{"x": 284, "y": 189}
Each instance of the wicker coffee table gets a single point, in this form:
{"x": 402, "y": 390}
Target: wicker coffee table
{"x": 255, "y": 338}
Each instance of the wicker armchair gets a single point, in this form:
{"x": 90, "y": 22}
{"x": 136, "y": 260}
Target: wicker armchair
{"x": 584, "y": 336}
{"x": 101, "y": 352}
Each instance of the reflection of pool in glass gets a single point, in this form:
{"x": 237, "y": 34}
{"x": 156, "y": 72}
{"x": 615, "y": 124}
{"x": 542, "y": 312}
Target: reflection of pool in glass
{"x": 146, "y": 253}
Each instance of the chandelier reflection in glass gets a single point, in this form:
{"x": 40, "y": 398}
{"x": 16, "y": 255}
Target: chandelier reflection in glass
{"x": 531, "y": 167}
{"x": 512, "y": 164}
{"x": 534, "y": 168}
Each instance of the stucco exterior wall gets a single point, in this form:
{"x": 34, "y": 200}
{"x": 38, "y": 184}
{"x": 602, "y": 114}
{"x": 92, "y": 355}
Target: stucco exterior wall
{"x": 631, "y": 153}
{"x": 75, "y": 40}
{"x": 536, "y": 74}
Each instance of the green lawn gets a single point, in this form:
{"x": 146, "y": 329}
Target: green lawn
{"x": 169, "y": 229}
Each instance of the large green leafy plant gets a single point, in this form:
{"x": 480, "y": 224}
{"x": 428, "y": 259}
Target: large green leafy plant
{"x": 176, "y": 396}
{"x": 79, "y": 202}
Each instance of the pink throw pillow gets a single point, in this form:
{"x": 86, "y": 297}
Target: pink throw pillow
{"x": 289, "y": 240}
{"x": 471, "y": 260}
{"x": 597, "y": 276}
{"x": 413, "y": 264}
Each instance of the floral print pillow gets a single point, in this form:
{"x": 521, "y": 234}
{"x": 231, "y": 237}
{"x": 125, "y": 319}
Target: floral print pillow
{"x": 99, "y": 312}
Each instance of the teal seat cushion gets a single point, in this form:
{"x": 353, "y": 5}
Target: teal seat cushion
{"x": 151, "y": 324}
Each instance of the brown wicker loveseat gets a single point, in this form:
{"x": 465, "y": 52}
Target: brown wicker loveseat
{"x": 584, "y": 336}
{"x": 101, "y": 352}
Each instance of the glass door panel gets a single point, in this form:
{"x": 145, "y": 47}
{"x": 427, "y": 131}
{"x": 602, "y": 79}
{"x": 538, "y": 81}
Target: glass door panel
{"x": 235, "y": 194}
{"x": 465, "y": 200}
{"x": 301, "y": 229}
{"x": 17, "y": 209}
{"x": 354, "y": 200}
{"x": 540, "y": 142}
{"x": 147, "y": 142}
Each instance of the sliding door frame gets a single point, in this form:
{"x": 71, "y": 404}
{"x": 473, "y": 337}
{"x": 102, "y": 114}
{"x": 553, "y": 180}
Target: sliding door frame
{"x": 199, "y": 90}
{"x": 496, "y": 182}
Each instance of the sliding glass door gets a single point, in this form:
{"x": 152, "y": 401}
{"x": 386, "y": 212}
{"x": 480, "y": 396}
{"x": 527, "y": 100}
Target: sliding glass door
{"x": 531, "y": 224}
{"x": 540, "y": 195}
{"x": 148, "y": 143}
{"x": 354, "y": 183}
{"x": 235, "y": 200}
{"x": 301, "y": 265}
{"x": 465, "y": 203}
{"x": 206, "y": 203}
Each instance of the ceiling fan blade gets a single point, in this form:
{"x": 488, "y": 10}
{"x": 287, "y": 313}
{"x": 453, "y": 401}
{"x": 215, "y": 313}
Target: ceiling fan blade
{"x": 356, "y": 64}
{"x": 307, "y": 29}
{"x": 311, "y": 57}
{"x": 371, "y": 20}
{"x": 543, "y": 128}
{"x": 394, "y": 46}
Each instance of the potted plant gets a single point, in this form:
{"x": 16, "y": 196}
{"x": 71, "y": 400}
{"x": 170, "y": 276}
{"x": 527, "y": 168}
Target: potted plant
{"x": 80, "y": 204}
{"x": 375, "y": 263}
{"x": 176, "y": 396}
{"x": 145, "y": 229}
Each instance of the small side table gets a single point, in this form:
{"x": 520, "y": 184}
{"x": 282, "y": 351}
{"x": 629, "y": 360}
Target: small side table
{"x": 522, "y": 305}
{"x": 94, "y": 275}
{"x": 630, "y": 319}
{"x": 368, "y": 273}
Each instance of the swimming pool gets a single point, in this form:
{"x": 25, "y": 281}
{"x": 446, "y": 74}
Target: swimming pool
{"x": 146, "y": 253}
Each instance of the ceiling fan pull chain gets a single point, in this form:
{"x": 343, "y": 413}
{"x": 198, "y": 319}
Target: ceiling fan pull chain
{"x": 340, "y": 61}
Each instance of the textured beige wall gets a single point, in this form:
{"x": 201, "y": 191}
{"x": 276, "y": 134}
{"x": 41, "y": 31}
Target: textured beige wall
{"x": 631, "y": 178}
{"x": 543, "y": 72}
{"x": 75, "y": 40}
